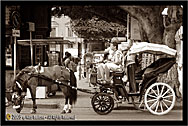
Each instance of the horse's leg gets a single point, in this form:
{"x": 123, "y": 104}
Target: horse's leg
{"x": 70, "y": 105}
{"x": 66, "y": 105}
{"x": 33, "y": 96}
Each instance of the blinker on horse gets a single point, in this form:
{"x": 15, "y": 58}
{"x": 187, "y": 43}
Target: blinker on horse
{"x": 29, "y": 78}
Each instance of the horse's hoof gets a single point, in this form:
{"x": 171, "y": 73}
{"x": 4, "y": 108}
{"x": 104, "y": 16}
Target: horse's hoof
{"x": 63, "y": 112}
{"x": 18, "y": 110}
{"x": 33, "y": 111}
{"x": 69, "y": 111}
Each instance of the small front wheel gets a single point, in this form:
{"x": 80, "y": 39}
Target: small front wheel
{"x": 102, "y": 103}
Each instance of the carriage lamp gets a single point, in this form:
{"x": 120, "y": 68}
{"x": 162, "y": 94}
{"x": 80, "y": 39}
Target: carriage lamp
{"x": 165, "y": 14}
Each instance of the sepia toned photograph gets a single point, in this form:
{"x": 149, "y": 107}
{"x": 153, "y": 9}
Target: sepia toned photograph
{"x": 92, "y": 62}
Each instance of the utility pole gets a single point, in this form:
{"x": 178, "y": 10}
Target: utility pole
{"x": 127, "y": 27}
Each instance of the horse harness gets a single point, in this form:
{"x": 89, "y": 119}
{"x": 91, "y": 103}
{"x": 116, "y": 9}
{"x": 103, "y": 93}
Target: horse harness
{"x": 59, "y": 82}
{"x": 40, "y": 76}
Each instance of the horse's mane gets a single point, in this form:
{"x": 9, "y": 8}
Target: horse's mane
{"x": 28, "y": 69}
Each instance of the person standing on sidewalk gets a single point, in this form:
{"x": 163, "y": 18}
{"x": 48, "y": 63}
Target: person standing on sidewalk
{"x": 68, "y": 62}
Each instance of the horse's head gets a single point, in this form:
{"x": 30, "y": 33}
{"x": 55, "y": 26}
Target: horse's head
{"x": 19, "y": 90}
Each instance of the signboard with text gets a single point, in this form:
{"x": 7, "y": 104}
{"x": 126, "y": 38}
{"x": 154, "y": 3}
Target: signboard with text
{"x": 15, "y": 33}
{"x": 31, "y": 26}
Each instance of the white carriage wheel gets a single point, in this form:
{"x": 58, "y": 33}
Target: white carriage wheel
{"x": 159, "y": 98}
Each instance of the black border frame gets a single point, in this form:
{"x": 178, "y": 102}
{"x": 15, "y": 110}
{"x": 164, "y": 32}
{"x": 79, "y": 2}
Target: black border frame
{"x": 97, "y": 2}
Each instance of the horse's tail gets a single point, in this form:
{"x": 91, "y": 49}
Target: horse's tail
{"x": 73, "y": 82}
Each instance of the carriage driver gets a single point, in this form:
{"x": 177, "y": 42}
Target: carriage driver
{"x": 132, "y": 63}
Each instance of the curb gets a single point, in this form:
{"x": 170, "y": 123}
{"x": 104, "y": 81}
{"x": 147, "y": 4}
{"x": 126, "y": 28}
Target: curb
{"x": 49, "y": 106}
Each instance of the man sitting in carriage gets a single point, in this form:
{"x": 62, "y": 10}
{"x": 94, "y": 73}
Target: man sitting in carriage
{"x": 120, "y": 61}
{"x": 114, "y": 64}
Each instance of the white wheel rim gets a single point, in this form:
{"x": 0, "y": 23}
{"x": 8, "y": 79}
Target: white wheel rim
{"x": 159, "y": 98}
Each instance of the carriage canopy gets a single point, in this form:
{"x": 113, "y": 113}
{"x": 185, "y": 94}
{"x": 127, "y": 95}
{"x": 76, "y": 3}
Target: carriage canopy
{"x": 145, "y": 47}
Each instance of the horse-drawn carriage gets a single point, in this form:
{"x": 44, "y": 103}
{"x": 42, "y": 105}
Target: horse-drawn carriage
{"x": 157, "y": 97}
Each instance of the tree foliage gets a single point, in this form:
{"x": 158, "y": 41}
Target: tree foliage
{"x": 89, "y": 23}
{"x": 96, "y": 28}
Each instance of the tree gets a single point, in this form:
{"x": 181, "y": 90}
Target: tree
{"x": 96, "y": 28}
{"x": 91, "y": 25}
{"x": 152, "y": 26}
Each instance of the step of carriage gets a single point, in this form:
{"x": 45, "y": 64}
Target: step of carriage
{"x": 134, "y": 93}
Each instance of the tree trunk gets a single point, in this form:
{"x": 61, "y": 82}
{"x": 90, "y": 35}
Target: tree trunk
{"x": 150, "y": 22}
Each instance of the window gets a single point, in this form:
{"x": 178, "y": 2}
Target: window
{"x": 70, "y": 45}
{"x": 53, "y": 32}
{"x": 70, "y": 34}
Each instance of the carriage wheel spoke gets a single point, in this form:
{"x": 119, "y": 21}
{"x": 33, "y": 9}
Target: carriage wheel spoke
{"x": 161, "y": 106}
{"x": 153, "y": 104}
{"x": 158, "y": 90}
{"x": 152, "y": 96}
{"x": 157, "y": 106}
{"x": 97, "y": 99}
{"x": 165, "y": 104}
{"x": 168, "y": 96}
{"x": 167, "y": 100}
{"x": 165, "y": 92}
{"x": 98, "y": 108}
{"x": 154, "y": 92}
{"x": 162, "y": 90}
{"x": 96, "y": 103}
{"x": 152, "y": 100}
{"x": 105, "y": 107}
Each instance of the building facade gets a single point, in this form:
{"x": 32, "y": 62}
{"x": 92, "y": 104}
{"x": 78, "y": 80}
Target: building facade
{"x": 61, "y": 27}
{"x": 17, "y": 18}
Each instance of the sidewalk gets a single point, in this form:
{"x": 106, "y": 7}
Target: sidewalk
{"x": 83, "y": 100}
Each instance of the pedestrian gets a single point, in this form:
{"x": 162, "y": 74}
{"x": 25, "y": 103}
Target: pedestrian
{"x": 79, "y": 70}
{"x": 68, "y": 61}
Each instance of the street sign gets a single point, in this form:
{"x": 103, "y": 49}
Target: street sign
{"x": 15, "y": 33}
{"x": 31, "y": 26}
{"x": 16, "y": 19}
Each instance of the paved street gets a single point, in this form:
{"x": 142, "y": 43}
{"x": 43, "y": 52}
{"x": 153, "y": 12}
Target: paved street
{"x": 87, "y": 113}
{"x": 83, "y": 110}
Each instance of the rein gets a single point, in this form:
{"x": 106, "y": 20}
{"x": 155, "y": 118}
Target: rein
{"x": 59, "y": 83}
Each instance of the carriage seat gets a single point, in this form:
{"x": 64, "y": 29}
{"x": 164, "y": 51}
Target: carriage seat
{"x": 117, "y": 77}
{"x": 116, "y": 73}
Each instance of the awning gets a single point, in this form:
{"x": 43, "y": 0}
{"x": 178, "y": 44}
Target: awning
{"x": 146, "y": 47}
{"x": 74, "y": 39}
{"x": 47, "y": 41}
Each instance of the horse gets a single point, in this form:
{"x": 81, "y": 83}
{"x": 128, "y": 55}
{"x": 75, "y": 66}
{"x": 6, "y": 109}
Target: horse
{"x": 30, "y": 76}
